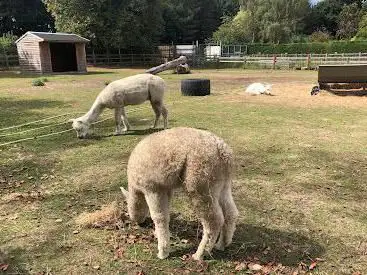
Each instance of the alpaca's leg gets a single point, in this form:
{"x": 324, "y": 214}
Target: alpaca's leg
{"x": 118, "y": 112}
{"x": 158, "y": 203}
{"x": 230, "y": 213}
{"x": 165, "y": 116}
{"x": 211, "y": 216}
{"x": 157, "y": 108}
{"x": 124, "y": 120}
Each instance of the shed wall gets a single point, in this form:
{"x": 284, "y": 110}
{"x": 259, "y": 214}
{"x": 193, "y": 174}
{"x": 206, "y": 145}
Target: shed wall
{"x": 45, "y": 55}
{"x": 29, "y": 55}
{"x": 81, "y": 57}
{"x": 35, "y": 56}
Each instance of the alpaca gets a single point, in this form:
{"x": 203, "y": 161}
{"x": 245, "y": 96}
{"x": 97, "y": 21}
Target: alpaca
{"x": 131, "y": 90}
{"x": 259, "y": 88}
{"x": 200, "y": 163}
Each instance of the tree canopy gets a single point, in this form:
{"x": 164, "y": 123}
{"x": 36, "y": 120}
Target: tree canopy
{"x": 138, "y": 25}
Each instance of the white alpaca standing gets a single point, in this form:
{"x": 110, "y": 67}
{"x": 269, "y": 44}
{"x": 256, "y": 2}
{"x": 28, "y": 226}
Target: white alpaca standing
{"x": 131, "y": 90}
{"x": 259, "y": 88}
{"x": 200, "y": 163}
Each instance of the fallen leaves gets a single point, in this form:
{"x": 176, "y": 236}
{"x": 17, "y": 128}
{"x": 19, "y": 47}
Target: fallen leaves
{"x": 254, "y": 266}
{"x": 4, "y": 267}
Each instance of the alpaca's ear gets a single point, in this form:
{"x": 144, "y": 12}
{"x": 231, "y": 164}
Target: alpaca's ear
{"x": 71, "y": 120}
{"x": 125, "y": 192}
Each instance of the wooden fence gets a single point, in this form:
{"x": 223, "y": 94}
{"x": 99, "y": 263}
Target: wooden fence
{"x": 125, "y": 60}
{"x": 297, "y": 61}
{"x": 8, "y": 61}
{"x": 282, "y": 61}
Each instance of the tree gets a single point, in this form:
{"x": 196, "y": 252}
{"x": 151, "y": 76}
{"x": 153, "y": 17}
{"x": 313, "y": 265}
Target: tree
{"x": 237, "y": 30}
{"x": 20, "y": 16}
{"x": 186, "y": 21}
{"x": 109, "y": 24}
{"x": 273, "y": 21}
{"x": 362, "y": 29}
{"x": 348, "y": 21}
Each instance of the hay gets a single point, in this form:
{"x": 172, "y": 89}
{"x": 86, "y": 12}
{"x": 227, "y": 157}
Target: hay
{"x": 109, "y": 216}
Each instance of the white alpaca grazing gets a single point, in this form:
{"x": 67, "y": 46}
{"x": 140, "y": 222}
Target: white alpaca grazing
{"x": 259, "y": 88}
{"x": 131, "y": 90}
{"x": 200, "y": 163}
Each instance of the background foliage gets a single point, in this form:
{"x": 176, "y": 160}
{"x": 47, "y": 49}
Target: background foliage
{"x": 139, "y": 25}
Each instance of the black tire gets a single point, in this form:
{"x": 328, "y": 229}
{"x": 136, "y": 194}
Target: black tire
{"x": 195, "y": 87}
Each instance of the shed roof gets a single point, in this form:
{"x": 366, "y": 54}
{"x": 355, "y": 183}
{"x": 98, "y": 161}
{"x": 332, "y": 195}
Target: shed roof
{"x": 55, "y": 37}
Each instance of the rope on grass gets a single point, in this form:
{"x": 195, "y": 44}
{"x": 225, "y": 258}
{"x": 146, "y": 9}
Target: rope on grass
{"x": 36, "y": 137}
{"x": 34, "y": 122}
{"x": 33, "y": 129}
{"x": 68, "y": 130}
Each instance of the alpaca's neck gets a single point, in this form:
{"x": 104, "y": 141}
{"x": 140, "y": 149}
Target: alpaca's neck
{"x": 94, "y": 112}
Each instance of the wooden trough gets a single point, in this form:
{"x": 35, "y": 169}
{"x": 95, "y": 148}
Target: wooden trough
{"x": 342, "y": 76}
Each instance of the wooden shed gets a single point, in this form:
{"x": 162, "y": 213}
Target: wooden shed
{"x": 44, "y": 53}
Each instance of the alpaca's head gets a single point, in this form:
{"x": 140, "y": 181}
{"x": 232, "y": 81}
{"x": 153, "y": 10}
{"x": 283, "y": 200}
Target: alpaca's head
{"x": 267, "y": 90}
{"x": 81, "y": 127}
{"x": 136, "y": 205}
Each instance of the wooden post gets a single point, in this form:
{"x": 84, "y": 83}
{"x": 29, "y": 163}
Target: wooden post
{"x": 7, "y": 62}
{"x": 6, "y": 59}
{"x": 94, "y": 57}
{"x": 308, "y": 65}
{"x": 274, "y": 61}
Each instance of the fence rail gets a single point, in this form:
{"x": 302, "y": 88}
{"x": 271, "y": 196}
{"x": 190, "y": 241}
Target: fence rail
{"x": 281, "y": 61}
{"x": 125, "y": 59}
{"x": 8, "y": 61}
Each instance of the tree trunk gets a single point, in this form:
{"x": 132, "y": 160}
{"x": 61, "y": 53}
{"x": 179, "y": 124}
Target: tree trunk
{"x": 183, "y": 69}
{"x": 169, "y": 65}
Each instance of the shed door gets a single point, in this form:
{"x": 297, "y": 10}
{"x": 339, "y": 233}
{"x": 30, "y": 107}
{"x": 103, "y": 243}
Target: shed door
{"x": 63, "y": 57}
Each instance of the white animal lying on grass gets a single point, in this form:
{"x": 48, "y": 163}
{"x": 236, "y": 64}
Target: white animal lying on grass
{"x": 131, "y": 90}
{"x": 200, "y": 163}
{"x": 259, "y": 88}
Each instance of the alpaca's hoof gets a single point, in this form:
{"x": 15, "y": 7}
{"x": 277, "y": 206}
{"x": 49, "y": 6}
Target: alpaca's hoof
{"x": 117, "y": 133}
{"x": 163, "y": 255}
{"x": 197, "y": 257}
{"x": 219, "y": 246}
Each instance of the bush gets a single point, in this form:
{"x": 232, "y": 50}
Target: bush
{"x": 38, "y": 82}
{"x": 319, "y": 36}
{"x": 44, "y": 79}
{"x": 7, "y": 44}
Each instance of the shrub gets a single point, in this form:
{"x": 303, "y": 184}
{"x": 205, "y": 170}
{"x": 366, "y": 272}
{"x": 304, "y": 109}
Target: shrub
{"x": 7, "y": 43}
{"x": 319, "y": 36}
{"x": 38, "y": 82}
{"x": 44, "y": 79}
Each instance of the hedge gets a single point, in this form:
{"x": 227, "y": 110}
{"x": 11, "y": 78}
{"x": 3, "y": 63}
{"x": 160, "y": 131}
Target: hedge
{"x": 304, "y": 48}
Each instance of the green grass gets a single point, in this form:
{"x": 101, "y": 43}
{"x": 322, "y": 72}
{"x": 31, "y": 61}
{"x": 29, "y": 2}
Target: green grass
{"x": 300, "y": 176}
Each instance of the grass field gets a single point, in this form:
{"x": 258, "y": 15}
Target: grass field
{"x": 301, "y": 171}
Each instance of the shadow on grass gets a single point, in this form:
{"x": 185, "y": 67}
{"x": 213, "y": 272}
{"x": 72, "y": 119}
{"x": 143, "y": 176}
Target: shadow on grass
{"x": 14, "y": 261}
{"x": 251, "y": 241}
{"x": 14, "y": 112}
